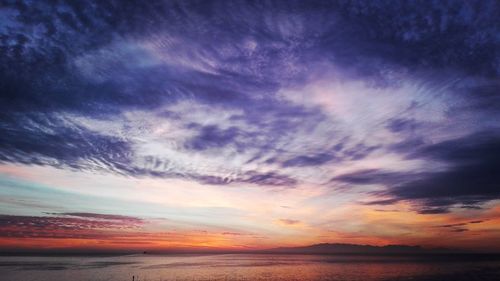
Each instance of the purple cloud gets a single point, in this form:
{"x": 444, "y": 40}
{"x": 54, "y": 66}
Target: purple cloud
{"x": 102, "y": 63}
{"x": 66, "y": 225}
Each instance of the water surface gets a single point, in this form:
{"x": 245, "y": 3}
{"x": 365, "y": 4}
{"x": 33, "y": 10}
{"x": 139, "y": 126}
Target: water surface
{"x": 249, "y": 267}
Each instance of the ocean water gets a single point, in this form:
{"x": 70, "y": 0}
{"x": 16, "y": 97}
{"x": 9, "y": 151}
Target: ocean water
{"x": 249, "y": 267}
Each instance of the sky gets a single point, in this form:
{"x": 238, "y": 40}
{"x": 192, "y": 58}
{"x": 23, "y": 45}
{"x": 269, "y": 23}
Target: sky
{"x": 160, "y": 125}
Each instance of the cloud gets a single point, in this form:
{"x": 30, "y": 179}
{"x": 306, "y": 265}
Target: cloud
{"x": 289, "y": 221}
{"x": 105, "y": 217}
{"x": 452, "y": 225}
{"x": 432, "y": 211}
{"x": 94, "y": 232}
{"x": 252, "y": 177}
{"x": 460, "y": 226}
{"x": 395, "y": 103}
{"x": 269, "y": 178}
{"x": 429, "y": 35}
{"x": 212, "y": 136}
{"x": 370, "y": 176}
{"x": 55, "y": 141}
{"x": 469, "y": 179}
{"x": 233, "y": 233}
{"x": 224, "y": 105}
{"x": 472, "y": 175}
{"x": 309, "y": 160}
{"x": 399, "y": 125}
{"x": 459, "y": 229}
{"x": 66, "y": 225}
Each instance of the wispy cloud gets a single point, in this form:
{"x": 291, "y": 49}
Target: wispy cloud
{"x": 322, "y": 103}
{"x": 289, "y": 221}
{"x": 82, "y": 226}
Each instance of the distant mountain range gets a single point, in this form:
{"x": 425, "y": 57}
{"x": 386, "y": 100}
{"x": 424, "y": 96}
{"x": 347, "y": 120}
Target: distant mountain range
{"x": 327, "y": 248}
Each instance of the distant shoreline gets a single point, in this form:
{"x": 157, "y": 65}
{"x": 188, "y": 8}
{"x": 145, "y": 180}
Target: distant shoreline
{"x": 316, "y": 249}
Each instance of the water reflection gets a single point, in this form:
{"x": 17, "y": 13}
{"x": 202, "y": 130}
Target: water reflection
{"x": 249, "y": 267}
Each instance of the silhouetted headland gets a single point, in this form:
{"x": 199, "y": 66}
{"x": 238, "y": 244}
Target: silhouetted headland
{"x": 336, "y": 248}
{"x": 387, "y": 250}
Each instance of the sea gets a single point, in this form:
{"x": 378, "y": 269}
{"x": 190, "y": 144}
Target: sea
{"x": 249, "y": 267}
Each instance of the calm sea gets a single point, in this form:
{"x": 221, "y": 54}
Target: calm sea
{"x": 248, "y": 267}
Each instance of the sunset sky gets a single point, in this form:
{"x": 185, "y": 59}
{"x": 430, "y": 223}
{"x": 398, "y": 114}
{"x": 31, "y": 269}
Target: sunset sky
{"x": 157, "y": 125}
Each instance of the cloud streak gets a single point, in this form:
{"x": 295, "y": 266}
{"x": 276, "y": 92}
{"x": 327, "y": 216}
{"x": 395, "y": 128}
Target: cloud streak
{"x": 71, "y": 225}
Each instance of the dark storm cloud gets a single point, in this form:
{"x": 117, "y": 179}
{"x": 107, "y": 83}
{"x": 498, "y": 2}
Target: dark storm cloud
{"x": 471, "y": 178}
{"x": 98, "y": 59}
